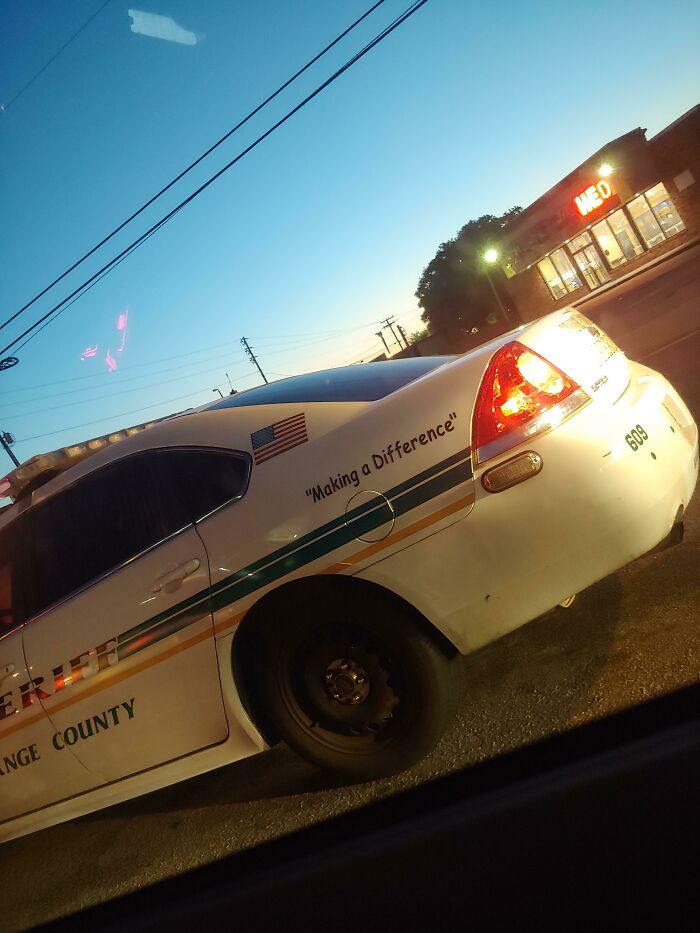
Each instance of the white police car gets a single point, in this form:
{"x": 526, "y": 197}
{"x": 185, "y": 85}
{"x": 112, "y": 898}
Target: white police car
{"x": 304, "y": 560}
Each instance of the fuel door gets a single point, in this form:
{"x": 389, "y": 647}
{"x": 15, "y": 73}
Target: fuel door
{"x": 370, "y": 515}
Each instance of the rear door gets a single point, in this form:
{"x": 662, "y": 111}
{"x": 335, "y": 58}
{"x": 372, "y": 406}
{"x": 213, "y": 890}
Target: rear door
{"x": 121, "y": 620}
{"x": 31, "y": 774}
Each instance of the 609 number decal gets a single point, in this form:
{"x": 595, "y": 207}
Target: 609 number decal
{"x": 636, "y": 437}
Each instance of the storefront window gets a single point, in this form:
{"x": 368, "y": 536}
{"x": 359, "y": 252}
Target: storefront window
{"x": 566, "y": 271}
{"x": 664, "y": 210}
{"x": 552, "y": 278}
{"x": 645, "y": 221}
{"x": 608, "y": 244}
{"x": 625, "y": 235}
{"x": 578, "y": 242}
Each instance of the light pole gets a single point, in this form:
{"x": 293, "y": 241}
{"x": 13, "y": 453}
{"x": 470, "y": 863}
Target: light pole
{"x": 490, "y": 257}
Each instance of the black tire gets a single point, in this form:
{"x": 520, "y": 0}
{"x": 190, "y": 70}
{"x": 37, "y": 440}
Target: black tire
{"x": 352, "y": 681}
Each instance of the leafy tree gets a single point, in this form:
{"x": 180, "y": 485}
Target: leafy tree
{"x": 454, "y": 291}
{"x": 419, "y": 335}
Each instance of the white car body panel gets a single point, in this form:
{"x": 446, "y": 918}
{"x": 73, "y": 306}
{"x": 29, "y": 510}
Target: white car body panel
{"x": 29, "y": 775}
{"x": 157, "y": 705}
{"x": 412, "y": 517}
{"x": 486, "y": 579}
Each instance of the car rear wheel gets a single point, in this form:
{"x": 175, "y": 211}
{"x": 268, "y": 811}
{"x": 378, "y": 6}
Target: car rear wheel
{"x": 355, "y": 684}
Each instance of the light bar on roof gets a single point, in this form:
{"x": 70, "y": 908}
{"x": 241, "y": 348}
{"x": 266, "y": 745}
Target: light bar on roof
{"x": 63, "y": 458}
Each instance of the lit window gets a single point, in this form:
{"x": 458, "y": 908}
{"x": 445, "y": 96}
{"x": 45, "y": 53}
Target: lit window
{"x": 567, "y": 273}
{"x": 625, "y": 235}
{"x": 608, "y": 244}
{"x": 552, "y": 278}
{"x": 592, "y": 267}
{"x": 646, "y": 223}
{"x": 578, "y": 242}
{"x": 664, "y": 210}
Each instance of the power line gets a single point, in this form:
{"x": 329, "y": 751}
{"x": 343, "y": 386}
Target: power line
{"x": 306, "y": 343}
{"x": 116, "y": 377}
{"x": 109, "y": 395}
{"x": 196, "y": 162}
{"x": 4, "y": 107}
{"x": 86, "y": 286}
{"x": 319, "y": 333}
{"x": 123, "y": 414}
{"x": 413, "y": 8}
{"x": 178, "y": 356}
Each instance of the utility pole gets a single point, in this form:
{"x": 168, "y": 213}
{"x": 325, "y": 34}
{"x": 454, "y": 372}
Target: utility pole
{"x": 381, "y": 334}
{"x": 389, "y": 322}
{"x": 403, "y": 334}
{"x": 6, "y": 439}
{"x": 252, "y": 356}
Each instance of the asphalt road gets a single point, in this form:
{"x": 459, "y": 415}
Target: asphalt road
{"x": 654, "y": 308}
{"x": 632, "y": 636}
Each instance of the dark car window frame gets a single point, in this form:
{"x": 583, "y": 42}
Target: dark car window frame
{"x": 173, "y": 491}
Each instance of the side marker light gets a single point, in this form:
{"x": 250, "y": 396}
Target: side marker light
{"x": 511, "y": 472}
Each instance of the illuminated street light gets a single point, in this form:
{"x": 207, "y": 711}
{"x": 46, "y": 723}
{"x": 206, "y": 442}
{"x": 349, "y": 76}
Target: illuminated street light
{"x": 605, "y": 170}
{"x": 490, "y": 257}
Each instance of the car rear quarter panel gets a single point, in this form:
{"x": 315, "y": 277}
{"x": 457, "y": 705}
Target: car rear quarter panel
{"x": 292, "y": 521}
{"x": 596, "y": 506}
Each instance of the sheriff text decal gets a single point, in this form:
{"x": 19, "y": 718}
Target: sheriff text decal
{"x": 78, "y": 732}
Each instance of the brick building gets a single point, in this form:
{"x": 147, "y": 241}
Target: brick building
{"x": 631, "y": 201}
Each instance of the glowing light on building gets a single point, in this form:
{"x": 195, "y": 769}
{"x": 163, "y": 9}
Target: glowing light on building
{"x": 593, "y": 197}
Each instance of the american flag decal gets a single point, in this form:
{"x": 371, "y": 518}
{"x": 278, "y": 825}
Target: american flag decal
{"x": 278, "y": 437}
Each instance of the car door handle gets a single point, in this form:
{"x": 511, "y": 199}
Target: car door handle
{"x": 172, "y": 580}
{"x": 6, "y": 670}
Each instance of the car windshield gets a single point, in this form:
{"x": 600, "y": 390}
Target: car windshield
{"x": 222, "y": 621}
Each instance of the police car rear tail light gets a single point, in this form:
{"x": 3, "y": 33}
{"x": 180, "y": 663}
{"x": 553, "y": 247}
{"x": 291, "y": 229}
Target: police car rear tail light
{"x": 521, "y": 395}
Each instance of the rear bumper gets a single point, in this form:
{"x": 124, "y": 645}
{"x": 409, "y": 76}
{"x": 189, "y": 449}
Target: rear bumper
{"x": 597, "y": 505}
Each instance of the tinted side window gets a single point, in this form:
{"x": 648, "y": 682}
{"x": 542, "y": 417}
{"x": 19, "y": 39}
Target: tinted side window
{"x": 205, "y": 478}
{"x": 96, "y": 525}
{"x": 8, "y": 576}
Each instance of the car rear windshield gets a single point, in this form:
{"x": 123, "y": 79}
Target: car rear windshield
{"x": 362, "y": 383}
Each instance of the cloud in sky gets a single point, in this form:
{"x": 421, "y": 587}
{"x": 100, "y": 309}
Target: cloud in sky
{"x": 160, "y": 27}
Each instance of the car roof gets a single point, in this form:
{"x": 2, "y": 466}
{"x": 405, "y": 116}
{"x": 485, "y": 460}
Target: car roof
{"x": 348, "y": 384}
{"x": 365, "y": 383}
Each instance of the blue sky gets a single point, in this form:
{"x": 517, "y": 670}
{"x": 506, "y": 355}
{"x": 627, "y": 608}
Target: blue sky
{"x": 323, "y": 230}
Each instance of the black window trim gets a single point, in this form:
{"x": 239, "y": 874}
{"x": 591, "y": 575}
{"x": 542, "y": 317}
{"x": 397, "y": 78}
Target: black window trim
{"x": 27, "y": 578}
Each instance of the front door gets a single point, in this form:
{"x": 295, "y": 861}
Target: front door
{"x": 120, "y": 643}
{"x": 31, "y": 774}
{"x": 592, "y": 267}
